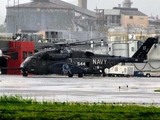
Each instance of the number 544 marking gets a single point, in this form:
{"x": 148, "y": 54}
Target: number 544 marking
{"x": 81, "y": 63}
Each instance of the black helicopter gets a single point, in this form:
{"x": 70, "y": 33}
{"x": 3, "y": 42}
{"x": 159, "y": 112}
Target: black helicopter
{"x": 70, "y": 62}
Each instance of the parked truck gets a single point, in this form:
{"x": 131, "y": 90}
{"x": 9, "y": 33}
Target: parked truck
{"x": 120, "y": 71}
{"x": 147, "y": 73}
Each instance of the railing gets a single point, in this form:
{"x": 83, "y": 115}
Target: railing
{"x": 6, "y": 36}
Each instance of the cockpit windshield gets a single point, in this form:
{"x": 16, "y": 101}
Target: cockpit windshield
{"x": 27, "y": 59}
{"x": 38, "y": 55}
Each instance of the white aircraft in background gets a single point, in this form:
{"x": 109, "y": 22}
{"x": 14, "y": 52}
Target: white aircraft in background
{"x": 2, "y": 55}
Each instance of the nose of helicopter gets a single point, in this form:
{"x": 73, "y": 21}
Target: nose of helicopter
{"x": 22, "y": 67}
{"x": 24, "y": 64}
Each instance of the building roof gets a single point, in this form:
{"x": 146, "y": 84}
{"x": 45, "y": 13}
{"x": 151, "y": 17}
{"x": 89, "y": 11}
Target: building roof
{"x": 56, "y": 4}
{"x": 133, "y": 13}
{"x": 111, "y": 12}
{"x": 40, "y": 5}
{"x": 130, "y": 11}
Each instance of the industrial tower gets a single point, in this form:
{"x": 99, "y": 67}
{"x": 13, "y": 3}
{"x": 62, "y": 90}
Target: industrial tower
{"x": 127, "y": 4}
{"x": 82, "y": 3}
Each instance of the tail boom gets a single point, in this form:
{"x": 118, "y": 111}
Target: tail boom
{"x": 145, "y": 48}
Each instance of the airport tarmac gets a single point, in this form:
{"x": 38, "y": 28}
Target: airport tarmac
{"x": 87, "y": 89}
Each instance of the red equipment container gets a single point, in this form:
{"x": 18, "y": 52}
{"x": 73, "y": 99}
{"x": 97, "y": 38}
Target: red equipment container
{"x": 18, "y": 51}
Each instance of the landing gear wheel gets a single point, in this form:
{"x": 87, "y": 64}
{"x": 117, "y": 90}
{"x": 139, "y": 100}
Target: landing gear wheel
{"x": 148, "y": 75}
{"x": 80, "y": 75}
{"x": 70, "y": 75}
{"x": 104, "y": 75}
{"x": 25, "y": 74}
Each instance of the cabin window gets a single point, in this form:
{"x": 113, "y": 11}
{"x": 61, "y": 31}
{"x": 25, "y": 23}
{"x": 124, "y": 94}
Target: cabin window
{"x": 34, "y": 61}
{"x": 132, "y": 49}
{"x": 116, "y": 68}
{"x": 24, "y": 54}
{"x": 130, "y": 17}
{"x": 14, "y": 55}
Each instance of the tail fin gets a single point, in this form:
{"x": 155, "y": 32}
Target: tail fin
{"x": 145, "y": 48}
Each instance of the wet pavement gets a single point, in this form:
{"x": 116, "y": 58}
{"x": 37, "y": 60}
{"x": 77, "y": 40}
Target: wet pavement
{"x": 87, "y": 89}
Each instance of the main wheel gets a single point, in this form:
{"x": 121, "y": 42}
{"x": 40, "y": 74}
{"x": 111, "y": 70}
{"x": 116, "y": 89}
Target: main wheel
{"x": 80, "y": 75}
{"x": 104, "y": 75}
{"x": 25, "y": 74}
{"x": 70, "y": 75}
{"x": 148, "y": 75}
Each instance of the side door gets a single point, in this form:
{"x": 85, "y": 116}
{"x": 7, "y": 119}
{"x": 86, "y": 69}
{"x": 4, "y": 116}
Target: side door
{"x": 84, "y": 63}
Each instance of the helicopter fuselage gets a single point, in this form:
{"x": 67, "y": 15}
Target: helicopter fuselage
{"x": 79, "y": 63}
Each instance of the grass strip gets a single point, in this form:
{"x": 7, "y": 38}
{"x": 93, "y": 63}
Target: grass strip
{"x": 156, "y": 90}
{"x": 15, "y": 107}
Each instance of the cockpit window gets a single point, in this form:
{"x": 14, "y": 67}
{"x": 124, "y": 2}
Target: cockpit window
{"x": 33, "y": 61}
{"x": 38, "y": 55}
{"x": 45, "y": 56}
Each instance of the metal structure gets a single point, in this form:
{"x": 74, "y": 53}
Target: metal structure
{"x": 35, "y": 16}
{"x": 45, "y": 14}
{"x": 76, "y": 8}
{"x": 82, "y": 3}
{"x": 127, "y": 4}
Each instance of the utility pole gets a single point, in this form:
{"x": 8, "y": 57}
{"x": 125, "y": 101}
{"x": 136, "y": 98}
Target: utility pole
{"x": 16, "y": 3}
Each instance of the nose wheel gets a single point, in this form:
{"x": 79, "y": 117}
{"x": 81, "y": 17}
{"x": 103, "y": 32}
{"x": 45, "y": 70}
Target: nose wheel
{"x": 25, "y": 74}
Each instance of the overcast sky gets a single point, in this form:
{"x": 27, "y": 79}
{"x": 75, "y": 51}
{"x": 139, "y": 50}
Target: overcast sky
{"x": 146, "y": 6}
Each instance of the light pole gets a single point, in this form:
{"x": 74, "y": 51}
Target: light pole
{"x": 91, "y": 33}
{"x": 128, "y": 25}
{"x": 140, "y": 34}
{"x": 16, "y": 28}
